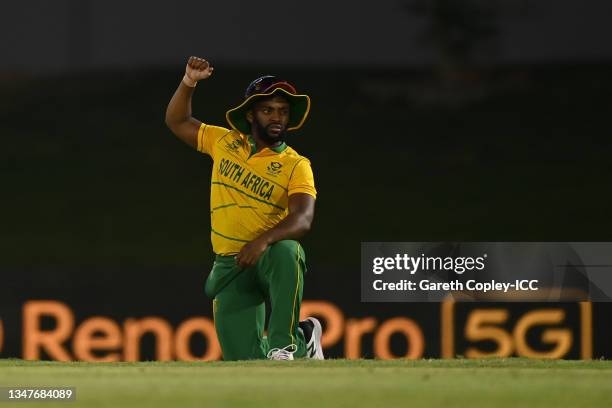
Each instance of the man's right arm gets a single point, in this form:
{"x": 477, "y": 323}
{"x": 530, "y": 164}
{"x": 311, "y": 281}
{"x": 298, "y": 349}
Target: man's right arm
{"x": 178, "y": 113}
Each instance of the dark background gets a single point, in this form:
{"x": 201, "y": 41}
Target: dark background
{"x": 431, "y": 120}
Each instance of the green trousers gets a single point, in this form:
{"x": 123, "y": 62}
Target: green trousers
{"x": 239, "y": 297}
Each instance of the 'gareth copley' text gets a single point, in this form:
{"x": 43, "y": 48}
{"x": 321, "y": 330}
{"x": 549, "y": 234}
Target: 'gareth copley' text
{"x": 469, "y": 285}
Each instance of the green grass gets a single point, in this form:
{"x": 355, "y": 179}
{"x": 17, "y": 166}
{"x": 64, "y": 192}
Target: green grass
{"x": 333, "y": 383}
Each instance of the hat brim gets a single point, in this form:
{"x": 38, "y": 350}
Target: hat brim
{"x": 299, "y": 107}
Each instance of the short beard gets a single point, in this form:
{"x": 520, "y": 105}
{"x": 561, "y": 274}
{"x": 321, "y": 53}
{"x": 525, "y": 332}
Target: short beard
{"x": 262, "y": 133}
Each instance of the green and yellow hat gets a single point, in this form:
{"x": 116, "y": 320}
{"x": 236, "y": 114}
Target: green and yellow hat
{"x": 299, "y": 105}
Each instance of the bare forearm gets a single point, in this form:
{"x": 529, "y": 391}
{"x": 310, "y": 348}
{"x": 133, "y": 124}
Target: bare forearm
{"x": 294, "y": 226}
{"x": 179, "y": 108}
{"x": 178, "y": 113}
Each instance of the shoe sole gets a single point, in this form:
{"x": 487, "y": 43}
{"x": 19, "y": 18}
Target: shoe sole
{"x": 317, "y": 332}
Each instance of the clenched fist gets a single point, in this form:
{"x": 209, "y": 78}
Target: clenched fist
{"x": 196, "y": 70}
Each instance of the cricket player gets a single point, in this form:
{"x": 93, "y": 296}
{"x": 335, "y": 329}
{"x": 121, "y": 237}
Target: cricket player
{"x": 262, "y": 200}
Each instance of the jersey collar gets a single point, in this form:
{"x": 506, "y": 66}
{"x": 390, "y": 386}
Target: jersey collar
{"x": 276, "y": 149}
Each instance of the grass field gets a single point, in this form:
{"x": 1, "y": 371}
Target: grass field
{"x": 333, "y": 383}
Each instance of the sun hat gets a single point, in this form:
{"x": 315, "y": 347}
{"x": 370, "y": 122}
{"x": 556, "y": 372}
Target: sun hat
{"x": 268, "y": 85}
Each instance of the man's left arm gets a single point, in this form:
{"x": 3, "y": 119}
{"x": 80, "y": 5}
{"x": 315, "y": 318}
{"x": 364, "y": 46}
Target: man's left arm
{"x": 294, "y": 226}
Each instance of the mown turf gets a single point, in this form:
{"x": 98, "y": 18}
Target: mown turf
{"x": 334, "y": 383}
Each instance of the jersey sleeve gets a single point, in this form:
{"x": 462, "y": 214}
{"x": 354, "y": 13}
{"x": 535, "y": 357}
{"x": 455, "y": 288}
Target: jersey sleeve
{"x": 302, "y": 179}
{"x": 208, "y": 136}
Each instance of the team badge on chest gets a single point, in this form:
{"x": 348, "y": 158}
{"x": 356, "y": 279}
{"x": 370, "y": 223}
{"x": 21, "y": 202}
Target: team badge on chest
{"x": 274, "y": 168}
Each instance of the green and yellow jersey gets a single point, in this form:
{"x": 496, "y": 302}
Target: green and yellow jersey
{"x": 249, "y": 191}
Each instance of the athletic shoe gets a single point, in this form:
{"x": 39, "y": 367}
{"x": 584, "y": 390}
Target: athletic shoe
{"x": 312, "y": 334}
{"x": 282, "y": 353}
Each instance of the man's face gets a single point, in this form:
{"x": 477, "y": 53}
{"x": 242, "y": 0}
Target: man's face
{"x": 269, "y": 119}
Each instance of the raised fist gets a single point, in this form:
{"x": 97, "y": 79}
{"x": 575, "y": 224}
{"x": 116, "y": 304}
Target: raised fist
{"x": 198, "y": 69}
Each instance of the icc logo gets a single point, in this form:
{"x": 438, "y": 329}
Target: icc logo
{"x": 234, "y": 145}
